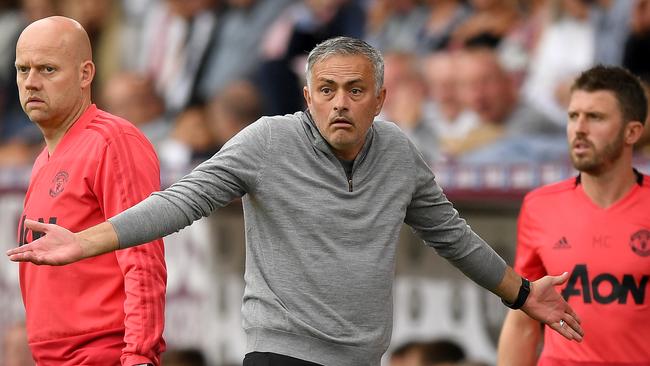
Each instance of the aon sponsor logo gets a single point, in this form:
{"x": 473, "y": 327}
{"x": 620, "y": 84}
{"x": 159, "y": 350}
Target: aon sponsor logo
{"x": 605, "y": 288}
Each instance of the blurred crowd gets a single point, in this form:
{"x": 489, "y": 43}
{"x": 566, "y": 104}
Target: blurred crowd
{"x": 470, "y": 81}
{"x": 435, "y": 352}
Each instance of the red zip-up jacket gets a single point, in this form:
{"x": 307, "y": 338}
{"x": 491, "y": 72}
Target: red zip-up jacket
{"x": 106, "y": 310}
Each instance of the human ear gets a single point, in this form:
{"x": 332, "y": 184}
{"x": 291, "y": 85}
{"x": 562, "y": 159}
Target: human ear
{"x": 381, "y": 97}
{"x": 305, "y": 93}
{"x": 633, "y": 132}
{"x": 87, "y": 73}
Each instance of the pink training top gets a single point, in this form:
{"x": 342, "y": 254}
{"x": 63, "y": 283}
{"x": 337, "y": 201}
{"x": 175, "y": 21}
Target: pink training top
{"x": 607, "y": 253}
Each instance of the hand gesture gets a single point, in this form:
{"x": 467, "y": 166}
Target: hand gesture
{"x": 57, "y": 247}
{"x": 546, "y": 305}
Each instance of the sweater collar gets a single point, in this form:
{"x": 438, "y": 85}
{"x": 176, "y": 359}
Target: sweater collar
{"x": 321, "y": 144}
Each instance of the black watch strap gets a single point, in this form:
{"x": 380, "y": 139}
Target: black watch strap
{"x": 524, "y": 290}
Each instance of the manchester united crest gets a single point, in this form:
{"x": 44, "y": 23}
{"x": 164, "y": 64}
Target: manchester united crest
{"x": 58, "y": 183}
{"x": 640, "y": 242}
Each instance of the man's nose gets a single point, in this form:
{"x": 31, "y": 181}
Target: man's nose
{"x": 581, "y": 124}
{"x": 341, "y": 101}
{"x": 32, "y": 80}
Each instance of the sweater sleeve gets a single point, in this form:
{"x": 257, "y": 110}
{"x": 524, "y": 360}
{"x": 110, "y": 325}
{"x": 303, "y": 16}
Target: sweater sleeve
{"x": 436, "y": 221}
{"x": 120, "y": 183}
{"x": 229, "y": 174}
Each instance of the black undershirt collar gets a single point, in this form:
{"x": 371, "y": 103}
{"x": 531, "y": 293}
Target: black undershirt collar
{"x": 639, "y": 178}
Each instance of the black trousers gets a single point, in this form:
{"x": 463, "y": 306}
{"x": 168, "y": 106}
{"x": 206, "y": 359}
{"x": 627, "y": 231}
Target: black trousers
{"x": 273, "y": 359}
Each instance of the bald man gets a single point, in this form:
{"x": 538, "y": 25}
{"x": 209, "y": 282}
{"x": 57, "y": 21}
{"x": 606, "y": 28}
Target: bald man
{"x": 108, "y": 310}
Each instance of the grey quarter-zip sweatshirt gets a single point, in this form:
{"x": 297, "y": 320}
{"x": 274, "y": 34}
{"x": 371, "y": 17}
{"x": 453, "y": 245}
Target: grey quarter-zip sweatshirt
{"x": 320, "y": 245}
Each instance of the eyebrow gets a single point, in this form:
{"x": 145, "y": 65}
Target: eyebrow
{"x": 350, "y": 82}
{"x": 35, "y": 64}
{"x": 586, "y": 112}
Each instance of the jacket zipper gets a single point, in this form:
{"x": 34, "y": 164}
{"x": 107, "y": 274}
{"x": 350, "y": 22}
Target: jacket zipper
{"x": 347, "y": 177}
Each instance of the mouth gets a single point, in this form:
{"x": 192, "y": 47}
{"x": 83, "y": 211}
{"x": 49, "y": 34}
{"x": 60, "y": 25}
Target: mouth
{"x": 581, "y": 146}
{"x": 32, "y": 100}
{"x": 341, "y": 122}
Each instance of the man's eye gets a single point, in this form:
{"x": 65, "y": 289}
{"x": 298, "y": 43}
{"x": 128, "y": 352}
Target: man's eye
{"x": 22, "y": 69}
{"x": 356, "y": 91}
{"x": 48, "y": 69}
{"x": 325, "y": 90}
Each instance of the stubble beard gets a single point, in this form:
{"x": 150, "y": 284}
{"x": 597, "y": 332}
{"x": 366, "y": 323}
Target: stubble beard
{"x": 599, "y": 160}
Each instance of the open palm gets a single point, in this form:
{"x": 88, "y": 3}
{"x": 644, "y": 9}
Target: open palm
{"x": 57, "y": 247}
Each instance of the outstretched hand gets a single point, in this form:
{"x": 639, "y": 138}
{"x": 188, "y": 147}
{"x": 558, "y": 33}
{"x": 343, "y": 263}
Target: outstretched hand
{"x": 546, "y": 305}
{"x": 57, "y": 247}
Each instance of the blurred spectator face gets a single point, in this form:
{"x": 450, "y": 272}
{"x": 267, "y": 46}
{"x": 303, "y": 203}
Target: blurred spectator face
{"x": 343, "y": 101}
{"x": 48, "y": 68}
{"x": 442, "y": 81}
{"x": 324, "y": 10}
{"x": 90, "y": 13}
{"x": 403, "y": 6}
{"x": 187, "y": 9}
{"x": 433, "y": 3}
{"x": 578, "y": 9}
{"x": 233, "y": 109}
{"x": 241, "y": 3}
{"x": 400, "y": 70}
{"x": 15, "y": 348}
{"x": 641, "y": 16}
{"x": 132, "y": 97}
{"x": 412, "y": 355}
{"x": 191, "y": 129}
{"x": 37, "y": 9}
{"x": 595, "y": 131}
{"x": 485, "y": 4}
{"x": 411, "y": 358}
{"x": 184, "y": 357}
{"x": 396, "y": 65}
{"x": 644, "y": 10}
{"x": 485, "y": 87}
{"x": 405, "y": 89}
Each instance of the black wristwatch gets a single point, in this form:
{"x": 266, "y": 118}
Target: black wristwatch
{"x": 524, "y": 290}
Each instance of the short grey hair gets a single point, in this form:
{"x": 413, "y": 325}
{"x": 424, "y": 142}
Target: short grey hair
{"x": 347, "y": 46}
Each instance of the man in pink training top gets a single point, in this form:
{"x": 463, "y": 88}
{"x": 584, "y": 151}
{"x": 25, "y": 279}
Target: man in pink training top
{"x": 107, "y": 310}
{"x": 597, "y": 225}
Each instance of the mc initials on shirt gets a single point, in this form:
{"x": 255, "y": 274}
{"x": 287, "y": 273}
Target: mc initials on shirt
{"x": 35, "y": 234}
{"x": 592, "y": 289}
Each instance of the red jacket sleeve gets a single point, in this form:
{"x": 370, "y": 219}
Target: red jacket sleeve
{"x": 129, "y": 173}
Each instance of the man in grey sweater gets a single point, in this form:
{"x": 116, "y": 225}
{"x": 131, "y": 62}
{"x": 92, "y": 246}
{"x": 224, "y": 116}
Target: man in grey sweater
{"x": 325, "y": 193}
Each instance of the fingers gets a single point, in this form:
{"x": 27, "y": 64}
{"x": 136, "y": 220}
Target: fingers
{"x": 27, "y": 256}
{"x": 573, "y": 327}
{"x": 566, "y": 331}
{"x": 572, "y": 320}
{"x": 568, "y": 328}
{"x": 36, "y": 226}
{"x": 18, "y": 250}
{"x": 559, "y": 280}
{"x": 573, "y": 314}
